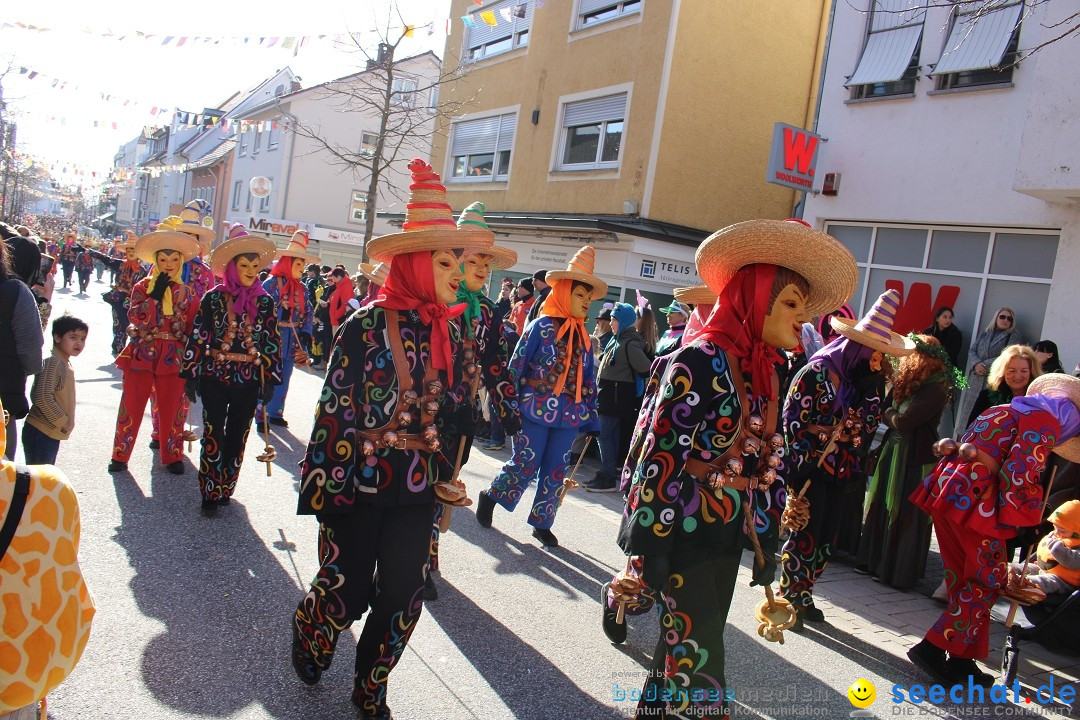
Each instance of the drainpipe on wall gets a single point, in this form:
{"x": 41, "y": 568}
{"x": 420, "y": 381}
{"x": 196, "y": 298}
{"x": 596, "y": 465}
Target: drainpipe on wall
{"x": 288, "y": 170}
{"x": 801, "y": 205}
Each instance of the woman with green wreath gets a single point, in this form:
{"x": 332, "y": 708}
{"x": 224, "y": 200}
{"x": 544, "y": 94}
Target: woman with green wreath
{"x": 896, "y": 535}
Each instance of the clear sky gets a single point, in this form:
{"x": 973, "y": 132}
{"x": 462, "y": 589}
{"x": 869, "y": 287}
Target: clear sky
{"x": 56, "y": 124}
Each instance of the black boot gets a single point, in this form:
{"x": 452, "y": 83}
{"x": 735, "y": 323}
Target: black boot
{"x": 117, "y": 466}
{"x": 209, "y": 508}
{"x": 960, "y": 669}
{"x": 176, "y": 468}
{"x": 154, "y": 444}
{"x": 485, "y": 506}
{"x": 615, "y": 630}
{"x": 302, "y": 661}
{"x": 430, "y": 591}
{"x": 931, "y": 658}
{"x": 546, "y": 537}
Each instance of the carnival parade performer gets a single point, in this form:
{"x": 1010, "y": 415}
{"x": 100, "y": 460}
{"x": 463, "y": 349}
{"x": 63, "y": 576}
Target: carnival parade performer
{"x": 832, "y": 411}
{"x": 128, "y": 270}
{"x": 554, "y": 374}
{"x": 376, "y": 450}
{"x": 979, "y": 496}
{"x": 677, "y": 315}
{"x": 195, "y": 220}
{"x": 712, "y": 448}
{"x": 232, "y": 358}
{"x": 376, "y": 276}
{"x": 162, "y": 312}
{"x": 484, "y": 353}
{"x": 294, "y": 318}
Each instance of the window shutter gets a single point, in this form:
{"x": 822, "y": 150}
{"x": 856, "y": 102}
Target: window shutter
{"x": 506, "y": 132}
{"x": 591, "y": 112}
{"x": 588, "y": 6}
{"x": 895, "y": 29}
{"x": 976, "y": 43}
{"x": 472, "y": 137}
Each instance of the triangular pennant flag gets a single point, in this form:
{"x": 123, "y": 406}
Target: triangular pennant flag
{"x": 467, "y": 19}
{"x": 181, "y": 41}
{"x": 505, "y": 12}
{"x": 488, "y": 16}
{"x": 167, "y": 40}
{"x": 288, "y": 42}
{"x": 409, "y": 30}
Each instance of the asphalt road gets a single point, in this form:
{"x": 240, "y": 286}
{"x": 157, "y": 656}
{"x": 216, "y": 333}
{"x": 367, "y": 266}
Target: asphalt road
{"x": 193, "y": 613}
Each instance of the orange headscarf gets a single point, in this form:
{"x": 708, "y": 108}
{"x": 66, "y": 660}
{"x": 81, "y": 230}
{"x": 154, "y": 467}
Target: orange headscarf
{"x": 557, "y": 305}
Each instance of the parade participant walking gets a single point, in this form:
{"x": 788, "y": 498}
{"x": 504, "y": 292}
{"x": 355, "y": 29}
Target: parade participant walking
{"x": 162, "y": 312}
{"x": 672, "y": 337}
{"x": 129, "y": 271}
{"x": 554, "y": 375}
{"x": 232, "y": 358}
{"x": 394, "y": 359}
{"x": 294, "y": 314}
{"x": 832, "y": 411}
{"x": 979, "y": 496}
{"x": 84, "y": 265}
{"x": 715, "y": 410}
{"x": 484, "y": 353}
{"x": 195, "y": 220}
{"x": 68, "y": 253}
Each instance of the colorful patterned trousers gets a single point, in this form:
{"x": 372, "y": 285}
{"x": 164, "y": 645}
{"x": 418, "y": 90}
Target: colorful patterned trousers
{"x": 289, "y": 345}
{"x": 975, "y": 569}
{"x": 373, "y": 557}
{"x": 227, "y": 414}
{"x": 138, "y": 386}
{"x": 120, "y": 323}
{"x": 541, "y": 453}
{"x": 807, "y": 552}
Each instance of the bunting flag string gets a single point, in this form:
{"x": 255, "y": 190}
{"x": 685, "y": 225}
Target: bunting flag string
{"x": 489, "y": 17}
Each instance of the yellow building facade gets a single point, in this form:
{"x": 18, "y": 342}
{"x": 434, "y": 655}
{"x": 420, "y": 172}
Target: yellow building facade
{"x": 639, "y": 126}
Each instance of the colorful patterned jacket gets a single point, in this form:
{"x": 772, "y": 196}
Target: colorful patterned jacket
{"x": 491, "y": 354}
{"x": 361, "y": 394}
{"x": 811, "y": 401}
{"x": 670, "y": 341}
{"x": 204, "y": 345}
{"x": 534, "y": 360}
{"x": 161, "y": 356}
{"x": 287, "y": 314}
{"x": 967, "y": 494}
{"x": 694, "y": 410}
{"x": 198, "y": 277}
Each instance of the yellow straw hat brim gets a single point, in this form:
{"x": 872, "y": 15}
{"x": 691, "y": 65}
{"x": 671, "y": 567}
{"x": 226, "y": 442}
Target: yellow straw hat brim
{"x": 226, "y": 251}
{"x": 148, "y": 245}
{"x": 599, "y": 287}
{"x": 695, "y": 295}
{"x": 501, "y": 257}
{"x": 202, "y": 232}
{"x": 374, "y": 273}
{"x": 308, "y": 258}
{"x": 387, "y": 247}
{"x": 1060, "y": 385}
{"x": 897, "y": 344}
{"x": 821, "y": 259}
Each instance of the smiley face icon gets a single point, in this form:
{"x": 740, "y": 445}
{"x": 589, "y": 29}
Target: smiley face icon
{"x": 862, "y": 693}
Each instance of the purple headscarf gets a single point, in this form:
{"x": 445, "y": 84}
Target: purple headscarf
{"x": 842, "y": 356}
{"x": 245, "y": 297}
{"x": 1062, "y": 409}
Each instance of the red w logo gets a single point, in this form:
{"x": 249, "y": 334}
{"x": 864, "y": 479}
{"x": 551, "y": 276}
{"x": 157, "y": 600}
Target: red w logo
{"x": 916, "y": 312}
{"x": 799, "y": 149}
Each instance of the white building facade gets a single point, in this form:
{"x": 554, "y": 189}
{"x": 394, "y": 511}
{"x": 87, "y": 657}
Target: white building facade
{"x": 959, "y": 170}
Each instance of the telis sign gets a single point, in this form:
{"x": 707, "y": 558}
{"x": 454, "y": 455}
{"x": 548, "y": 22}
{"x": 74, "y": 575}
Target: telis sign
{"x": 793, "y": 157}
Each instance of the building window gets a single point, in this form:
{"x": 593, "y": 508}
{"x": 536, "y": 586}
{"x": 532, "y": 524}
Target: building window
{"x": 982, "y": 46}
{"x": 264, "y": 203}
{"x": 404, "y": 93}
{"x": 271, "y": 139}
{"x": 592, "y": 133}
{"x": 593, "y": 12}
{"x": 510, "y": 31}
{"x": 243, "y": 144}
{"x": 368, "y": 143}
{"x": 480, "y": 148}
{"x": 890, "y": 59}
{"x": 358, "y": 207}
{"x": 250, "y": 198}
{"x": 257, "y": 142}
{"x": 238, "y": 188}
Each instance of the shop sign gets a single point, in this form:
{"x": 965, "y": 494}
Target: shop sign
{"x": 276, "y": 226}
{"x": 793, "y": 157}
{"x": 345, "y": 237}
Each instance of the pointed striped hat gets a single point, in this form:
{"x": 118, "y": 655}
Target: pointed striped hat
{"x": 875, "y": 329}
{"x": 581, "y": 268}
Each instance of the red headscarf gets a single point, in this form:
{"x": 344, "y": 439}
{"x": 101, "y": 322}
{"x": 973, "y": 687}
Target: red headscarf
{"x": 411, "y": 286}
{"x": 557, "y": 305}
{"x": 293, "y": 289}
{"x": 737, "y": 321}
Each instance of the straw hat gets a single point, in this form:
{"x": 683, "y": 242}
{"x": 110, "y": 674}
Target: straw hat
{"x": 429, "y": 221}
{"x": 875, "y": 329}
{"x": 195, "y": 220}
{"x": 375, "y": 273}
{"x": 130, "y": 238}
{"x": 240, "y": 242}
{"x": 148, "y": 245}
{"x": 695, "y": 295}
{"x": 581, "y": 269}
{"x": 1060, "y": 385}
{"x": 826, "y": 264}
{"x": 298, "y": 248}
{"x": 472, "y": 226}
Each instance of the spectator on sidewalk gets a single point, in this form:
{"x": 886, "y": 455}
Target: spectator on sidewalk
{"x": 519, "y": 313}
{"x": 1049, "y": 358}
{"x": 52, "y": 415}
{"x": 541, "y": 288}
{"x": 339, "y": 299}
{"x": 1010, "y": 374}
{"x": 999, "y": 334}
{"x": 20, "y": 346}
{"x": 603, "y": 333}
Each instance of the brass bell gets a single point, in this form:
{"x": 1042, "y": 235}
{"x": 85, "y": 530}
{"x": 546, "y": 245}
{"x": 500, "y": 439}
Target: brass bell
{"x": 541, "y": 388}
{"x": 751, "y": 446}
{"x": 431, "y": 433}
{"x": 220, "y": 357}
{"x": 390, "y": 438}
{"x": 551, "y": 378}
{"x": 131, "y": 331}
{"x": 856, "y": 441}
{"x": 253, "y": 352}
{"x": 469, "y": 354}
{"x": 431, "y": 407}
{"x": 968, "y": 451}
{"x": 773, "y": 461}
{"x": 776, "y": 441}
{"x": 404, "y": 417}
{"x": 434, "y": 388}
{"x": 411, "y": 397}
{"x": 577, "y": 351}
{"x": 368, "y": 448}
{"x": 734, "y": 466}
{"x": 823, "y": 437}
{"x": 857, "y": 428}
{"x": 768, "y": 477}
{"x": 434, "y": 445}
{"x": 756, "y": 424}
{"x": 470, "y": 369}
{"x": 559, "y": 367}
{"x": 849, "y": 423}
{"x": 945, "y": 447}
{"x": 233, "y": 324}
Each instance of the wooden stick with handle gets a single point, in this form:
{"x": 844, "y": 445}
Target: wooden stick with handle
{"x": 444, "y": 521}
{"x": 569, "y": 483}
{"x": 1027, "y": 551}
{"x": 266, "y": 421}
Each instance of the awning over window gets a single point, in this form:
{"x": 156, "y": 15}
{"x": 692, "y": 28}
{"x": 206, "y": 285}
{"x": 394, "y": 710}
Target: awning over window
{"x": 980, "y": 37}
{"x": 105, "y": 216}
{"x": 485, "y": 135}
{"x": 895, "y": 29}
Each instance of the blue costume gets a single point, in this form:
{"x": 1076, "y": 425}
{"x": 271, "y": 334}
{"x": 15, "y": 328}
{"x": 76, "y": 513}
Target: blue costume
{"x": 293, "y": 322}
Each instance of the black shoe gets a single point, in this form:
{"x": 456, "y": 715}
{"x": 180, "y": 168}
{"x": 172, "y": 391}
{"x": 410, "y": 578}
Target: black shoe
{"x": 601, "y": 484}
{"x": 615, "y": 631}
{"x": 223, "y": 500}
{"x": 546, "y": 537}
{"x": 811, "y": 613}
{"x": 303, "y": 663}
{"x": 176, "y": 468}
{"x": 155, "y": 444}
{"x": 960, "y": 669}
{"x": 279, "y": 421}
{"x": 383, "y": 713}
{"x": 430, "y": 591}
{"x": 209, "y": 508}
{"x": 485, "y": 506}
{"x": 931, "y": 659}
{"x": 117, "y": 466}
